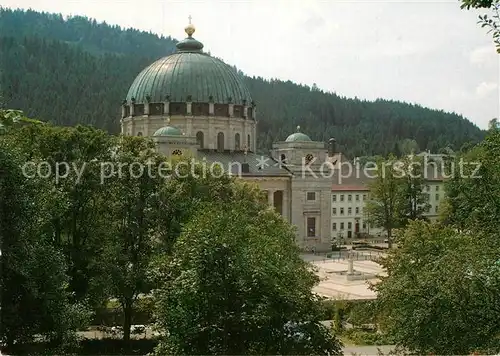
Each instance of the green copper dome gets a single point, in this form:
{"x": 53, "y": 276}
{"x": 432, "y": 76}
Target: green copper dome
{"x": 298, "y": 137}
{"x": 168, "y": 131}
{"x": 189, "y": 75}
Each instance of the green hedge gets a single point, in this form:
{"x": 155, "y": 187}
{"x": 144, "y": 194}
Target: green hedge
{"x": 117, "y": 347}
{"x": 88, "y": 347}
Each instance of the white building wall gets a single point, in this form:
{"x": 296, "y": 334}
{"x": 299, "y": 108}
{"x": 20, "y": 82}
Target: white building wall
{"x": 348, "y": 207}
{"x": 436, "y": 194}
{"x": 349, "y": 215}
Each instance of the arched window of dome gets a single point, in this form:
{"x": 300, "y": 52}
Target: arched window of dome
{"x": 139, "y": 133}
{"x": 249, "y": 143}
{"x": 177, "y": 152}
{"x": 237, "y": 142}
{"x": 220, "y": 142}
{"x": 199, "y": 139}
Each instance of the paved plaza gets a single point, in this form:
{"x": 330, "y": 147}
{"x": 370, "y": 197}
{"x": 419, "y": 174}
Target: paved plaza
{"x": 334, "y": 283}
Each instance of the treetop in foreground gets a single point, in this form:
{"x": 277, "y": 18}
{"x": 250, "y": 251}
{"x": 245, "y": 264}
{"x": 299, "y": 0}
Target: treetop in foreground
{"x": 236, "y": 285}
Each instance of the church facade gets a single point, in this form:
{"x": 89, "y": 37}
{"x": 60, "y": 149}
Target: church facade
{"x": 193, "y": 104}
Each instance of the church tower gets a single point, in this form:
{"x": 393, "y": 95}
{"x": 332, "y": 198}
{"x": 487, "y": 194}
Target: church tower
{"x": 311, "y": 188}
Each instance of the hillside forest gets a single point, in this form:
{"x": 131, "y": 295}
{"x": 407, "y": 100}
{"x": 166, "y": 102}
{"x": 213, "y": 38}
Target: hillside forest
{"x": 70, "y": 71}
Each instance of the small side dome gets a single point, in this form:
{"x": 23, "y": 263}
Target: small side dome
{"x": 168, "y": 131}
{"x": 298, "y": 137}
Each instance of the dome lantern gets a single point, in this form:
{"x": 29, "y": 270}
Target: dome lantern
{"x": 171, "y": 78}
{"x": 298, "y": 137}
{"x": 189, "y": 44}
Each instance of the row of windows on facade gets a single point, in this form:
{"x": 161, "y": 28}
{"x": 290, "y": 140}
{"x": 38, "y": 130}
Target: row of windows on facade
{"x": 349, "y": 197}
{"x": 311, "y": 227}
{"x": 200, "y": 138}
{"x": 428, "y": 196}
{"x": 429, "y": 207}
{"x": 349, "y": 211}
{"x": 359, "y": 210}
{"x": 197, "y": 109}
{"x": 428, "y": 188}
{"x": 358, "y": 197}
{"x": 349, "y": 226}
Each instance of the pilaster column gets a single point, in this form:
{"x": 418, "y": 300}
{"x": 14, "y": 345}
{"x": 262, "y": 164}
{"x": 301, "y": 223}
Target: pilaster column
{"x": 189, "y": 126}
{"x": 146, "y": 108}
{"x": 245, "y": 111}
{"x": 286, "y": 205}
{"x": 189, "y": 106}
{"x": 254, "y": 137}
{"x": 132, "y": 126}
{"x": 146, "y": 126}
{"x": 210, "y": 139}
{"x": 211, "y": 110}
{"x": 231, "y": 110}
{"x": 166, "y": 107}
{"x": 123, "y": 110}
{"x": 229, "y": 135}
{"x": 270, "y": 197}
{"x": 132, "y": 109}
{"x": 243, "y": 139}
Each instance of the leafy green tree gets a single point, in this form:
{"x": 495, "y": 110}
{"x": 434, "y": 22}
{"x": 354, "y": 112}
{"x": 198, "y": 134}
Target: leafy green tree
{"x": 35, "y": 298}
{"x": 396, "y": 151}
{"x": 77, "y": 217}
{"x": 11, "y": 119}
{"x": 473, "y": 193}
{"x": 189, "y": 185}
{"x": 492, "y": 22}
{"x": 441, "y": 292}
{"x": 409, "y": 146}
{"x": 133, "y": 179}
{"x": 237, "y": 285}
{"x": 386, "y": 203}
{"x": 414, "y": 201}
{"x": 493, "y": 124}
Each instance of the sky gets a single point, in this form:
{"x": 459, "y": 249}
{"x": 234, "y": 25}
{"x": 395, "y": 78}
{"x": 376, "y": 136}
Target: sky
{"x": 427, "y": 52}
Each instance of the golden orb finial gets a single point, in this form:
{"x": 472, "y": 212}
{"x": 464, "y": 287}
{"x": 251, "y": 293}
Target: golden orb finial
{"x": 298, "y": 128}
{"x": 189, "y": 29}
